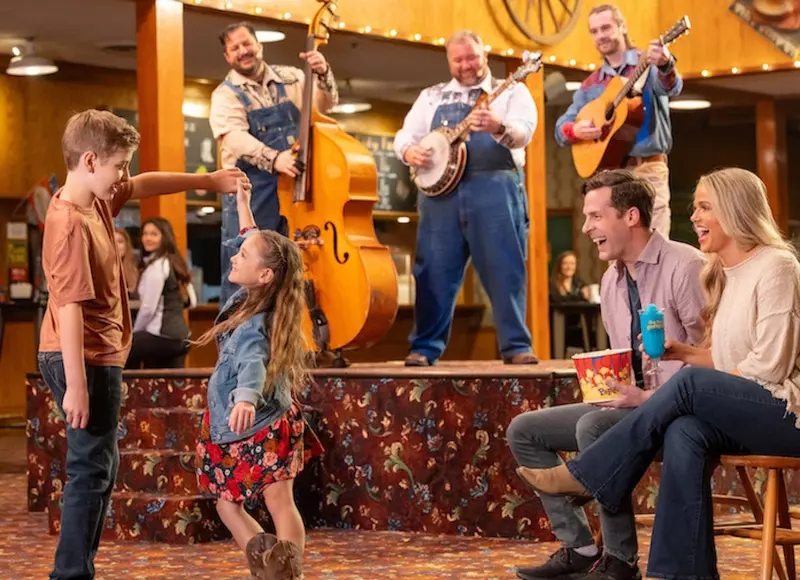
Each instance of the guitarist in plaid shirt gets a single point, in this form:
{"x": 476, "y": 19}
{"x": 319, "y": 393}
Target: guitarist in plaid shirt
{"x": 648, "y": 158}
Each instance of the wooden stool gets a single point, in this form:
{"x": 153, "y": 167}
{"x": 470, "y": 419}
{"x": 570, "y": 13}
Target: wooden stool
{"x": 776, "y": 505}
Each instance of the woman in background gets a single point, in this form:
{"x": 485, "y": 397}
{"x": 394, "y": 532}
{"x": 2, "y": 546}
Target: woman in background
{"x": 126, "y": 254}
{"x": 160, "y": 332}
{"x": 565, "y": 286}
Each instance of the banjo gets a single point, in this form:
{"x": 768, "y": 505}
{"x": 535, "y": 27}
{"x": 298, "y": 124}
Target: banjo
{"x": 448, "y": 145}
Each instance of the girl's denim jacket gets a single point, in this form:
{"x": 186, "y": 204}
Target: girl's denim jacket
{"x": 241, "y": 373}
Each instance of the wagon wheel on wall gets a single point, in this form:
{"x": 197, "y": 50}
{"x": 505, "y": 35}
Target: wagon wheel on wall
{"x": 545, "y": 22}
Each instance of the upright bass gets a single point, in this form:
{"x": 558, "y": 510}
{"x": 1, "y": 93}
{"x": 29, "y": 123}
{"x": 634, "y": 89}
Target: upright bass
{"x": 351, "y": 276}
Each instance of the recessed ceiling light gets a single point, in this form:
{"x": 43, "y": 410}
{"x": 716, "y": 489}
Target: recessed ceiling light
{"x": 269, "y": 35}
{"x": 689, "y": 104}
{"x": 350, "y": 108}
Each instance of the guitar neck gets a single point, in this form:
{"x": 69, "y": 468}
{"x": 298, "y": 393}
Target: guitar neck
{"x": 304, "y": 130}
{"x": 637, "y": 73}
{"x": 463, "y": 126}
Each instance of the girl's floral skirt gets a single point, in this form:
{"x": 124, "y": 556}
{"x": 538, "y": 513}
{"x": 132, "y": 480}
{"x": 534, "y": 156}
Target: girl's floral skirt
{"x": 240, "y": 470}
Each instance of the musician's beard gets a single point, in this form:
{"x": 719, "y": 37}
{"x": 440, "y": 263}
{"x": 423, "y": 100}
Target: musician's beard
{"x": 470, "y": 79}
{"x": 253, "y": 71}
{"x": 610, "y": 47}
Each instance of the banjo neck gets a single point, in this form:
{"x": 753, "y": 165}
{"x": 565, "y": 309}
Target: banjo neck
{"x": 460, "y": 131}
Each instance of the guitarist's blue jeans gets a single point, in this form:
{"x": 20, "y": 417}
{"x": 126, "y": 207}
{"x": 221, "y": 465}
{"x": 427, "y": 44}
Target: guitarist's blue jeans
{"x": 486, "y": 219}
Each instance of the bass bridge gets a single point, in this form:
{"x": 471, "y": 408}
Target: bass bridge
{"x": 308, "y": 236}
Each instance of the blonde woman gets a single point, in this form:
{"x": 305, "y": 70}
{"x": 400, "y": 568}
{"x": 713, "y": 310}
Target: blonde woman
{"x": 742, "y": 395}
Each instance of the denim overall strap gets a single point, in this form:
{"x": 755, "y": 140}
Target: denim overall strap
{"x": 485, "y": 218}
{"x": 483, "y": 152}
{"x": 277, "y": 128}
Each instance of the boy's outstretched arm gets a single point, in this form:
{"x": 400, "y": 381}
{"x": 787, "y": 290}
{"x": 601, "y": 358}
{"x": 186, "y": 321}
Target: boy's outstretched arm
{"x": 155, "y": 183}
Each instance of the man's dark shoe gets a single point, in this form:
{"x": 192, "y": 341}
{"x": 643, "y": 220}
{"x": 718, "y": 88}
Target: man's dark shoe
{"x": 610, "y": 568}
{"x": 565, "y": 564}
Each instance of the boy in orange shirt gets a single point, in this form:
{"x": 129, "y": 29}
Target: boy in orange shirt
{"x": 86, "y": 331}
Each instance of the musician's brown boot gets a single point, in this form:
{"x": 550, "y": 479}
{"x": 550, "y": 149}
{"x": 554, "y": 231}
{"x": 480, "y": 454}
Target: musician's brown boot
{"x": 523, "y": 358}
{"x": 415, "y": 359}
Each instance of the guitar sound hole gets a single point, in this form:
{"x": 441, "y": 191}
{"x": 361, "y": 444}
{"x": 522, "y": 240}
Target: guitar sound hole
{"x": 609, "y": 115}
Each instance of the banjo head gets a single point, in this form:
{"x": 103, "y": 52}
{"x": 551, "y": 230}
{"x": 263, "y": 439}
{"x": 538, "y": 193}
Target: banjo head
{"x": 439, "y": 144}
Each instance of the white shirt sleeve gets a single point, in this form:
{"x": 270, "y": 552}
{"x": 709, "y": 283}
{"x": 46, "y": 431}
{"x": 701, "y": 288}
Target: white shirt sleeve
{"x": 519, "y": 116}
{"x": 151, "y": 289}
{"x": 416, "y": 125}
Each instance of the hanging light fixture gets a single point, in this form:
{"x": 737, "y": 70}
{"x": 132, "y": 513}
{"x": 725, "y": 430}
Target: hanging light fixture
{"x": 28, "y": 64}
{"x": 348, "y": 106}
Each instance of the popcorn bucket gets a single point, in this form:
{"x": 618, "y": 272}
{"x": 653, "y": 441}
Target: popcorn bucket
{"x": 594, "y": 368}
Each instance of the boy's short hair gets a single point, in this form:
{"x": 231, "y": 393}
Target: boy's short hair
{"x": 100, "y": 131}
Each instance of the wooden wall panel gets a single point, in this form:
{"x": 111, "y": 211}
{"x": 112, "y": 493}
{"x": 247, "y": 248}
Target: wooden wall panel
{"x": 719, "y": 39}
{"x": 34, "y": 111}
{"x": 434, "y": 20}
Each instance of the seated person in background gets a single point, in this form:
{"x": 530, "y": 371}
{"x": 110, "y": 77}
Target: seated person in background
{"x": 565, "y": 286}
{"x": 127, "y": 255}
{"x": 644, "y": 267}
{"x": 741, "y": 394}
{"x": 160, "y": 333}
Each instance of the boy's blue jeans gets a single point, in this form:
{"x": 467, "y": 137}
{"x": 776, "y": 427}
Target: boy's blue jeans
{"x": 92, "y": 462}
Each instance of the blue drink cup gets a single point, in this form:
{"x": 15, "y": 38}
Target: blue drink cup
{"x": 653, "y": 336}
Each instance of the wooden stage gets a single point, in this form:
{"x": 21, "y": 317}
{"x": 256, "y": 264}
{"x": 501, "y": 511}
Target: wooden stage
{"x": 406, "y": 449}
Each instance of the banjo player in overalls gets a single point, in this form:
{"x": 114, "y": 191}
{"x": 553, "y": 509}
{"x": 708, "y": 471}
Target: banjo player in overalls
{"x": 485, "y": 218}
{"x": 254, "y": 115}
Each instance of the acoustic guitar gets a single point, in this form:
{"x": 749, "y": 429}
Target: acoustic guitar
{"x": 618, "y": 114}
{"x": 448, "y": 144}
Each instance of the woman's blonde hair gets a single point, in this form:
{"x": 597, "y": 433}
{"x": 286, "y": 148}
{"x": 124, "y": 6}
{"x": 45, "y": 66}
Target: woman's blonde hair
{"x": 739, "y": 200}
{"x": 283, "y": 302}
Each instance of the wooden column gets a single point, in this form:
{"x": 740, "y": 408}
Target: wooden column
{"x": 538, "y": 308}
{"x": 771, "y": 152}
{"x": 159, "y": 79}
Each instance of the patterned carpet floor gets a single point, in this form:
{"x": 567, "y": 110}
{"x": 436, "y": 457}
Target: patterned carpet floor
{"x": 26, "y": 549}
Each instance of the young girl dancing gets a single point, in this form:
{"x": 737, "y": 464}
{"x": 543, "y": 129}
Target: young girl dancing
{"x": 254, "y": 439}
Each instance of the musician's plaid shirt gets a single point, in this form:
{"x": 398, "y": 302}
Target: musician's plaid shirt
{"x": 655, "y": 136}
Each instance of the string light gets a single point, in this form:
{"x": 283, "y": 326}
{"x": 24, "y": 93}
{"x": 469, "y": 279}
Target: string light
{"x": 705, "y": 73}
{"x": 765, "y": 66}
{"x": 341, "y": 25}
{"x": 417, "y": 37}
{"x": 572, "y": 62}
{"x": 258, "y": 9}
{"x": 287, "y": 15}
{"x": 368, "y": 29}
{"x": 735, "y": 70}
{"x": 487, "y": 48}
{"x": 510, "y": 51}
{"x": 392, "y": 32}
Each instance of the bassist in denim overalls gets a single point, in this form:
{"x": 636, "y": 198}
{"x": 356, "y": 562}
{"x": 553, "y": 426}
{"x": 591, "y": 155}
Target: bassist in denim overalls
{"x": 485, "y": 218}
{"x": 255, "y": 114}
